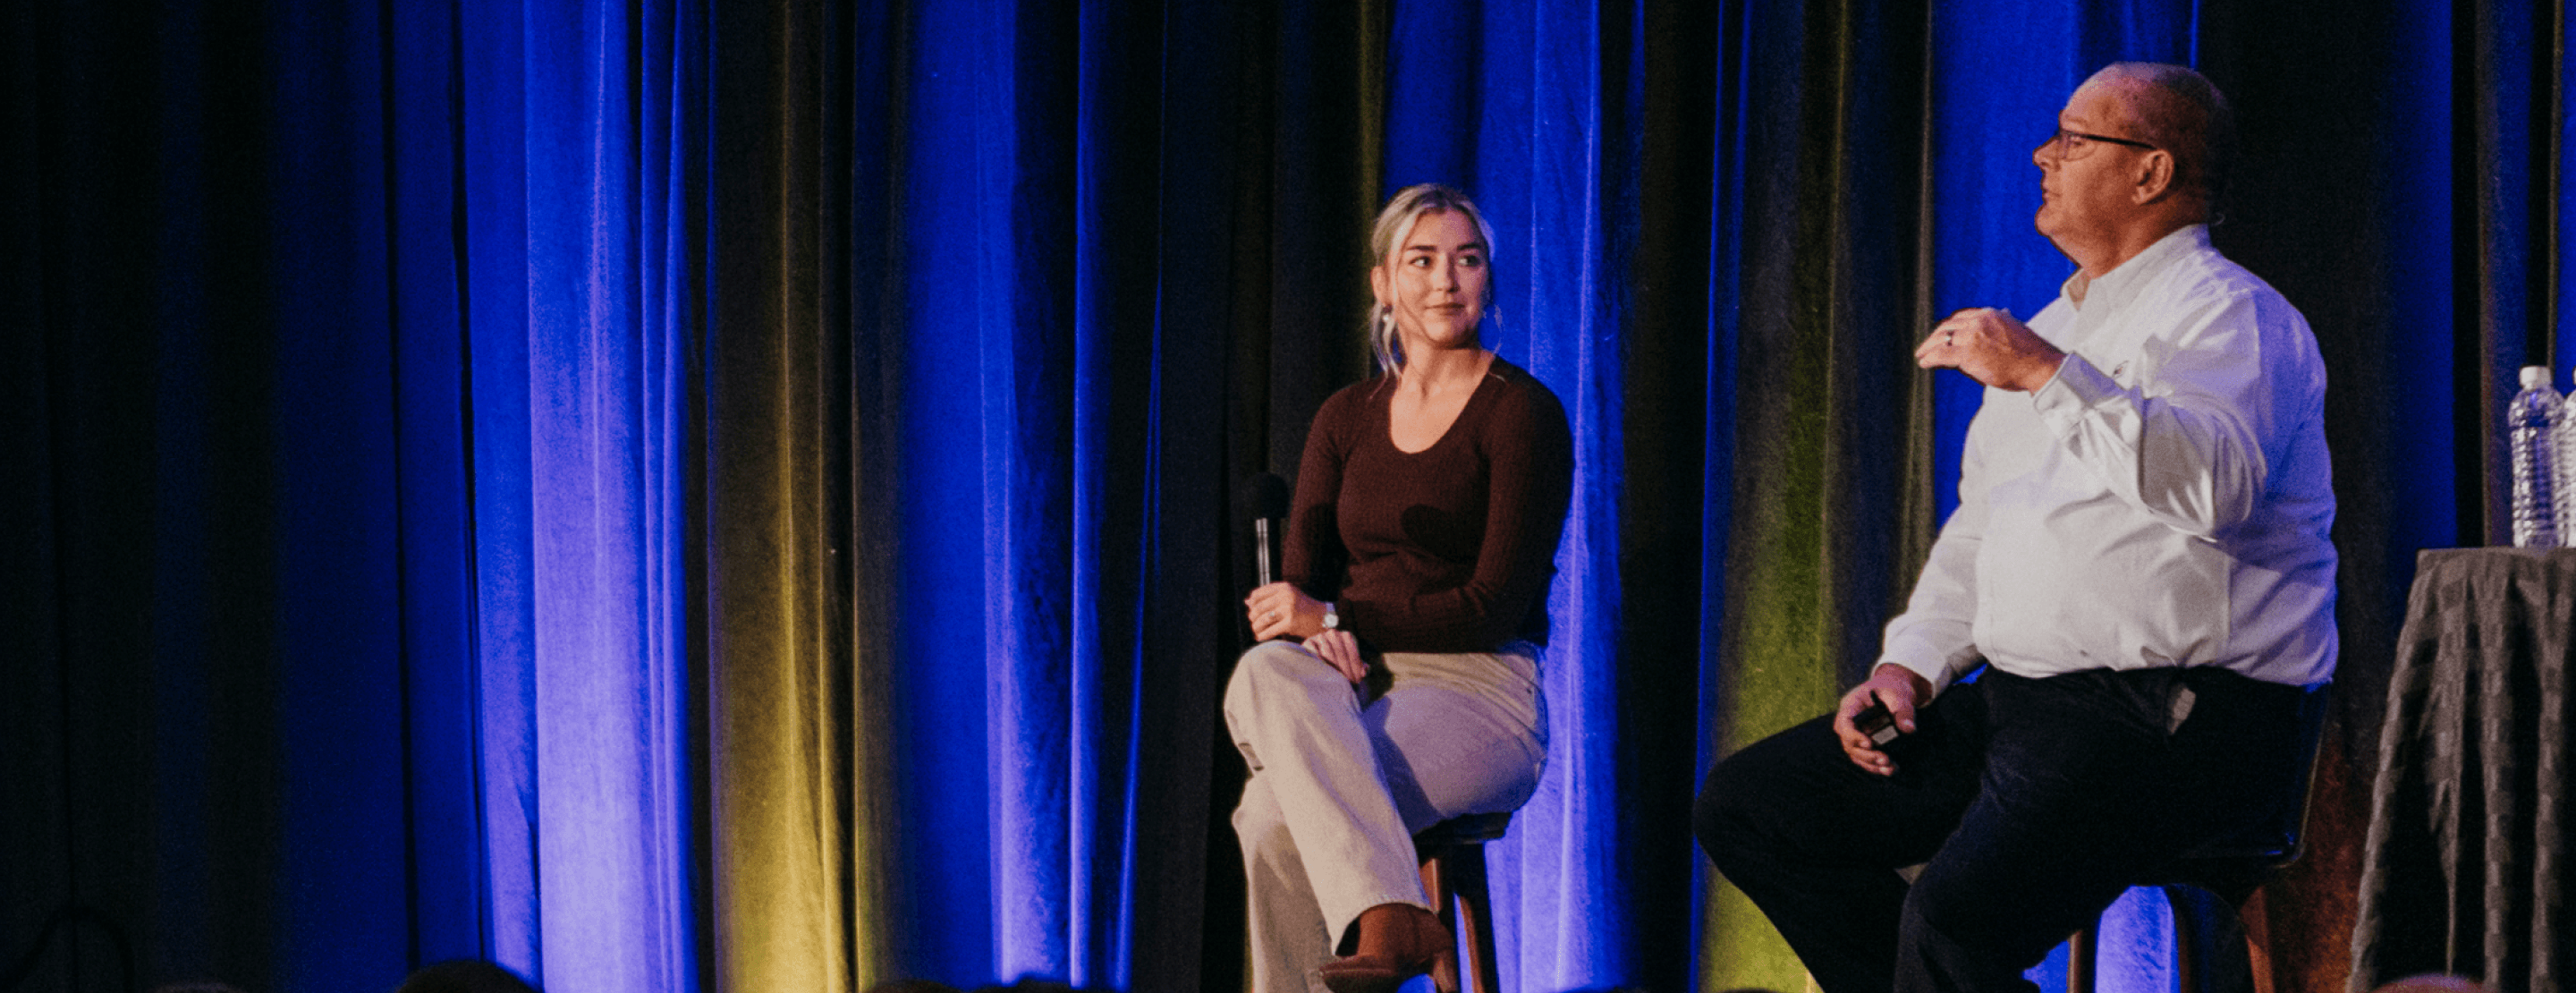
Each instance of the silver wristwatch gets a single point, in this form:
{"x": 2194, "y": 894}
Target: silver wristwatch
{"x": 1332, "y": 616}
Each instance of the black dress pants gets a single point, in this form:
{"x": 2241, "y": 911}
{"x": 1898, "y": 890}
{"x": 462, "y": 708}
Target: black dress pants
{"x": 2031, "y": 804}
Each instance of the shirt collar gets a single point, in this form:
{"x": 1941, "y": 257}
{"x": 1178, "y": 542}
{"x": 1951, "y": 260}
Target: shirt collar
{"x": 2112, "y": 292}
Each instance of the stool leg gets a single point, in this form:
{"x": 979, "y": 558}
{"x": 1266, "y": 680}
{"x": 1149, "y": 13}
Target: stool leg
{"x": 1436, "y": 881}
{"x": 2079, "y": 958}
{"x": 1478, "y": 919}
{"x": 2186, "y": 928}
{"x": 2258, "y": 940}
{"x": 1440, "y": 877}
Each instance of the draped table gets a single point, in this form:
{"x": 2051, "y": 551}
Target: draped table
{"x": 2465, "y": 865}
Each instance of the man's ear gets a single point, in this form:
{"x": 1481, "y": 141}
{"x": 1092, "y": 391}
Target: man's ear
{"x": 2155, "y": 177}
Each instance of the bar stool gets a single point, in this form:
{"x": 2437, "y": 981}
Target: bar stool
{"x": 1453, "y": 872}
{"x": 2234, "y": 869}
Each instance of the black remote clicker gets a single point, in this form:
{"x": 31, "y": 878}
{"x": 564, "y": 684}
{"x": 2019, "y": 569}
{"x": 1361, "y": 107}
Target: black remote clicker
{"x": 1876, "y": 724}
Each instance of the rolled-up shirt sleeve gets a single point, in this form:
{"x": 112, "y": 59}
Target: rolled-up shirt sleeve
{"x": 2192, "y": 446}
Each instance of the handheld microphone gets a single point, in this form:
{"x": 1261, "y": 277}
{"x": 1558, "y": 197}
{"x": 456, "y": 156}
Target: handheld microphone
{"x": 1265, "y": 500}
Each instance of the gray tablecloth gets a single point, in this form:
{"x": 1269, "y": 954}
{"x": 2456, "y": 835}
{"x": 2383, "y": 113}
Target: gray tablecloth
{"x": 2465, "y": 869}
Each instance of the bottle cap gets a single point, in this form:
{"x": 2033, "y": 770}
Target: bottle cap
{"x": 2535, "y": 377}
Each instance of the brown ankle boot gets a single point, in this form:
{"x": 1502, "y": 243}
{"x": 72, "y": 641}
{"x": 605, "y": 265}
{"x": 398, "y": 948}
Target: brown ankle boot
{"x": 1394, "y": 942}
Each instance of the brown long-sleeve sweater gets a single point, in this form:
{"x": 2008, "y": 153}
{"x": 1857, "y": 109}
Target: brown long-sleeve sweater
{"x": 1449, "y": 549}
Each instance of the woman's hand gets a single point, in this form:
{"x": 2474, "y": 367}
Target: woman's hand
{"x": 1281, "y": 610}
{"x": 1342, "y": 650}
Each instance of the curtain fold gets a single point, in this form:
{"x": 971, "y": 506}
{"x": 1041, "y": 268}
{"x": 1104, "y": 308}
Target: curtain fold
{"x": 372, "y": 320}
{"x": 487, "y": 224}
{"x": 452, "y": 891}
{"x": 1044, "y": 327}
{"x": 610, "y": 694}
{"x": 791, "y": 831}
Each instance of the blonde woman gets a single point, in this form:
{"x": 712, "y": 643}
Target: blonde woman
{"x": 1396, "y": 683}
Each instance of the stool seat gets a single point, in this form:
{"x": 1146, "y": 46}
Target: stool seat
{"x": 1452, "y": 854}
{"x": 2232, "y": 868}
{"x": 1464, "y": 829}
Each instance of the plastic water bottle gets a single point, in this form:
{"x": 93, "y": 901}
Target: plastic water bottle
{"x": 2533, "y": 423}
{"x": 2566, "y": 484}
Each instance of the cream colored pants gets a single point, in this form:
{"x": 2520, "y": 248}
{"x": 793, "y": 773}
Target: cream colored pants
{"x": 1338, "y": 788}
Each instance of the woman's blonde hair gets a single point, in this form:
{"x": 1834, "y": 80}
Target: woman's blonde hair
{"x": 1392, "y": 225}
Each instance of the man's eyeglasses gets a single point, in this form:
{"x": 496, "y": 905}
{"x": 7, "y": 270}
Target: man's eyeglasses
{"x": 2073, "y": 144}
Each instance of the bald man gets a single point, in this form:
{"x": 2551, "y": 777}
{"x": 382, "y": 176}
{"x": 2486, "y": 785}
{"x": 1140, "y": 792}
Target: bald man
{"x": 2140, "y": 560}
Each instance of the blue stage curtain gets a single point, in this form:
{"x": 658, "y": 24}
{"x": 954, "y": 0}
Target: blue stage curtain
{"x": 1042, "y": 301}
{"x": 609, "y": 302}
{"x": 367, "y": 333}
{"x": 548, "y": 294}
{"x": 2563, "y": 274}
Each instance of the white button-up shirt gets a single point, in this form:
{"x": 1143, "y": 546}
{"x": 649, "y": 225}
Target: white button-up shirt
{"x": 2163, "y": 501}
